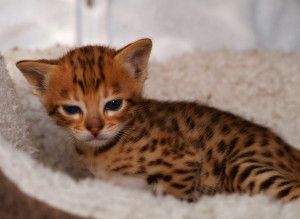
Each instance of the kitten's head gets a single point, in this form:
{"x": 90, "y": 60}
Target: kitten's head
{"x": 90, "y": 90}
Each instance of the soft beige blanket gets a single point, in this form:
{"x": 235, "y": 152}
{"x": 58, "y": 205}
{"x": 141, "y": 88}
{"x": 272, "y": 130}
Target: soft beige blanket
{"x": 263, "y": 86}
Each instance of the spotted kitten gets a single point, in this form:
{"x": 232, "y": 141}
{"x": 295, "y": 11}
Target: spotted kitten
{"x": 181, "y": 148}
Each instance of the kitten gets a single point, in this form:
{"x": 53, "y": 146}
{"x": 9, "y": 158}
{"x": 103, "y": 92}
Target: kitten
{"x": 180, "y": 148}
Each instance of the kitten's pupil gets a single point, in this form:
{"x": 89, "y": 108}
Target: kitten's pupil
{"x": 71, "y": 109}
{"x": 114, "y": 105}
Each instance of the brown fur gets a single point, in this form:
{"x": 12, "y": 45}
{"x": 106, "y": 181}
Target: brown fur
{"x": 181, "y": 148}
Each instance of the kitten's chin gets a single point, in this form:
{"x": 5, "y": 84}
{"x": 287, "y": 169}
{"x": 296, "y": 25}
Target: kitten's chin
{"x": 102, "y": 140}
{"x": 89, "y": 140}
{"x": 93, "y": 142}
{"x": 96, "y": 142}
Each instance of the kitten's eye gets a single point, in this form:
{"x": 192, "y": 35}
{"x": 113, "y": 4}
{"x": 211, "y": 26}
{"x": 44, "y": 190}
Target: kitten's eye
{"x": 114, "y": 105}
{"x": 71, "y": 109}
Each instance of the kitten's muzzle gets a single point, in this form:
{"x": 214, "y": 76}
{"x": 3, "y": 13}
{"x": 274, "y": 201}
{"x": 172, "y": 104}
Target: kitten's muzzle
{"x": 94, "y": 131}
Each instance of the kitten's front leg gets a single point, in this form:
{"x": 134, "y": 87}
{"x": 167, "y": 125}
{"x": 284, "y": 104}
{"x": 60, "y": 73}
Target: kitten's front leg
{"x": 99, "y": 169}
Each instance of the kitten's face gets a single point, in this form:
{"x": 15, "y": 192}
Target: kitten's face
{"x": 90, "y": 90}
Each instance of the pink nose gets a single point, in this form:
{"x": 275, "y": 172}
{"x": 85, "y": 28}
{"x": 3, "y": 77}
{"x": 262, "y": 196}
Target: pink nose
{"x": 94, "y": 131}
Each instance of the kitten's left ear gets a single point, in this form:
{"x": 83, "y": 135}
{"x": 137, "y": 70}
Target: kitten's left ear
{"x": 35, "y": 71}
{"x": 134, "y": 58}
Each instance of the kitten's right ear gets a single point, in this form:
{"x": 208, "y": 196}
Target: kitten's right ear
{"x": 35, "y": 71}
{"x": 134, "y": 58}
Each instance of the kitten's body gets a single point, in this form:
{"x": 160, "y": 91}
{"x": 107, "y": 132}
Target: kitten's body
{"x": 188, "y": 150}
{"x": 179, "y": 148}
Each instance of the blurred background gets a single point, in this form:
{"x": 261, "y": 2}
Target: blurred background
{"x": 176, "y": 26}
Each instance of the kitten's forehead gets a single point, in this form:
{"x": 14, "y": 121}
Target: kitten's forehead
{"x": 88, "y": 66}
{"x": 90, "y": 74}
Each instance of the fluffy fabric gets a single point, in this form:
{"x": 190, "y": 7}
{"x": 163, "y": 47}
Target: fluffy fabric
{"x": 12, "y": 123}
{"x": 262, "y": 86}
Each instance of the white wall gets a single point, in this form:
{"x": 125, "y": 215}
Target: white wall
{"x": 176, "y": 26}
{"x": 43, "y": 23}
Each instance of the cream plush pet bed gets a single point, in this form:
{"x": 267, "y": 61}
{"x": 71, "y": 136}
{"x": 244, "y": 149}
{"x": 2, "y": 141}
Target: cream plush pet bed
{"x": 263, "y": 86}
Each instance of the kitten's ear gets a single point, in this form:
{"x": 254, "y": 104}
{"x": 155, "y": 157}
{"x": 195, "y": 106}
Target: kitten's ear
{"x": 35, "y": 71}
{"x": 134, "y": 57}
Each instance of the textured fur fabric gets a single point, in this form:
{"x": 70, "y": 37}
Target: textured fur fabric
{"x": 13, "y": 125}
{"x": 259, "y": 85}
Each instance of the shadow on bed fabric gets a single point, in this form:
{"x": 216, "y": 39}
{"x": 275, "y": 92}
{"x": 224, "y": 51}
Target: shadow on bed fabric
{"x": 16, "y": 204}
